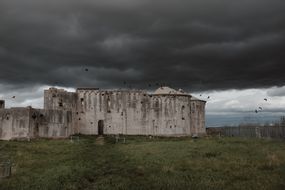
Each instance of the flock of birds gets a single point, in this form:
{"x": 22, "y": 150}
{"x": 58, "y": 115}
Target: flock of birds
{"x": 207, "y": 97}
{"x": 259, "y": 109}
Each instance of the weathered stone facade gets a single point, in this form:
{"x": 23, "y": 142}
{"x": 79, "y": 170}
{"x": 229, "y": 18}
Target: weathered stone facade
{"x": 27, "y": 123}
{"x": 166, "y": 112}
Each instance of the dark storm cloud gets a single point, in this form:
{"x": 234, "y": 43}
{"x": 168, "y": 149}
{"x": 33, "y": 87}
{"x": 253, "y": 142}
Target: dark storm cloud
{"x": 276, "y": 91}
{"x": 193, "y": 44}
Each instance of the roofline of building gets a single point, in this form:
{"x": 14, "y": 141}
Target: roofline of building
{"x": 188, "y": 95}
{"x": 112, "y": 90}
{"x": 200, "y": 100}
{"x": 87, "y": 88}
{"x": 136, "y": 90}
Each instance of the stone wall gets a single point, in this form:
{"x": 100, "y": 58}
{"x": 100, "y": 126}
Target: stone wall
{"x": 27, "y": 123}
{"x": 135, "y": 112}
{"x": 14, "y": 123}
{"x": 59, "y": 99}
{"x": 52, "y": 123}
{"x": 94, "y": 111}
{"x": 198, "y": 117}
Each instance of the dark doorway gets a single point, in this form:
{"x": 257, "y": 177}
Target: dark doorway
{"x": 100, "y": 127}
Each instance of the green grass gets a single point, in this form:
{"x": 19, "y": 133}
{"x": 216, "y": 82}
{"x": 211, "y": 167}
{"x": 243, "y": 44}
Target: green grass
{"x": 142, "y": 163}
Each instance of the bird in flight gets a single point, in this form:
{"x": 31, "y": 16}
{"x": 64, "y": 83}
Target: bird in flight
{"x": 13, "y": 96}
{"x": 86, "y": 69}
{"x": 260, "y": 108}
{"x": 265, "y": 99}
{"x": 256, "y": 111}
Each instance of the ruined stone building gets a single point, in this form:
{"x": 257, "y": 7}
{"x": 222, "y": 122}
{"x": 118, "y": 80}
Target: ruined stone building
{"x": 92, "y": 111}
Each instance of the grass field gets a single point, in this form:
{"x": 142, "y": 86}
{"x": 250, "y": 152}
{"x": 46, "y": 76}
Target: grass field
{"x": 142, "y": 163}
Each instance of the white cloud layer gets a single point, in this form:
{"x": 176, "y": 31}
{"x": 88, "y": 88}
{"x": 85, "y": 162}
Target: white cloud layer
{"x": 276, "y": 91}
{"x": 234, "y": 107}
{"x": 249, "y": 100}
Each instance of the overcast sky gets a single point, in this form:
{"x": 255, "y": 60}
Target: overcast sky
{"x": 231, "y": 50}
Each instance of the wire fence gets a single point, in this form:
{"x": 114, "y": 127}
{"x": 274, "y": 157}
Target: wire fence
{"x": 249, "y": 131}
